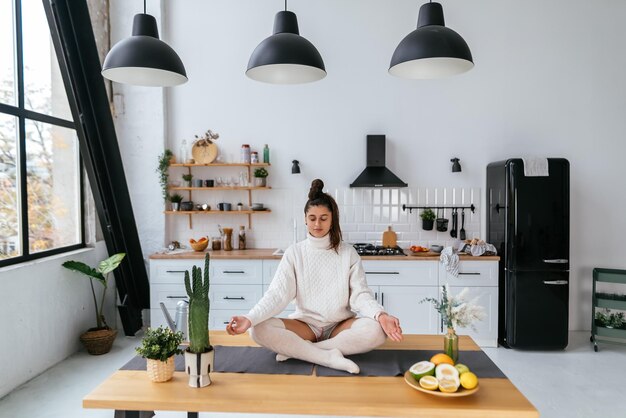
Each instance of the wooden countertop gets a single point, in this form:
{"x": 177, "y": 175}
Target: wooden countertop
{"x": 294, "y": 394}
{"x": 266, "y": 254}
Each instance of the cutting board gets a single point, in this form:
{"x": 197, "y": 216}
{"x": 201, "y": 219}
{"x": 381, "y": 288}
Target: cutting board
{"x": 390, "y": 238}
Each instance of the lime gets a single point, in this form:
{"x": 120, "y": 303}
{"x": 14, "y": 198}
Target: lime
{"x": 423, "y": 368}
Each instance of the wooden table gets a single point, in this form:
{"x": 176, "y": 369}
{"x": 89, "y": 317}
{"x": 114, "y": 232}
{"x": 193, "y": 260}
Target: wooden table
{"x": 132, "y": 391}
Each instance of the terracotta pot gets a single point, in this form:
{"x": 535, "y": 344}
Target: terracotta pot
{"x": 160, "y": 371}
{"x": 98, "y": 341}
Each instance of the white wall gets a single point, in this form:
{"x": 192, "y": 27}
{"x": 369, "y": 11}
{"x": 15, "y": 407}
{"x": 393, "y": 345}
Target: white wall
{"x": 547, "y": 82}
{"x": 44, "y": 310}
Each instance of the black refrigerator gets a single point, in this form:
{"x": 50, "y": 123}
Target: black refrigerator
{"x": 528, "y": 222}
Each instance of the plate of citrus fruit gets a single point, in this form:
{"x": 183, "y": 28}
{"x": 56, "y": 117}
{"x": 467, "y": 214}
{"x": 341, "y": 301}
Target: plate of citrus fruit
{"x": 419, "y": 250}
{"x": 441, "y": 377}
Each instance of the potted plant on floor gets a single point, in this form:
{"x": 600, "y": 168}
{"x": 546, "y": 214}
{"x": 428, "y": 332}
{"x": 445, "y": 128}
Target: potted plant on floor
{"x": 158, "y": 347}
{"x": 176, "y": 199}
{"x": 98, "y": 340}
{"x": 428, "y": 219}
{"x": 200, "y": 355}
{"x": 260, "y": 177}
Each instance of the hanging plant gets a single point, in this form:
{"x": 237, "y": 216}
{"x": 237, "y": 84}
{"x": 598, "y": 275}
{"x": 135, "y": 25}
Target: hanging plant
{"x": 163, "y": 170}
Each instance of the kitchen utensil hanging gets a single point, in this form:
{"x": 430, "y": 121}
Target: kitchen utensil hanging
{"x": 454, "y": 223}
{"x": 442, "y": 222}
{"x": 462, "y": 231}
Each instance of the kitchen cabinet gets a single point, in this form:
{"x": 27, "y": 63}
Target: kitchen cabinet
{"x": 399, "y": 287}
{"x": 247, "y": 189}
{"x": 236, "y": 286}
{"x": 481, "y": 279}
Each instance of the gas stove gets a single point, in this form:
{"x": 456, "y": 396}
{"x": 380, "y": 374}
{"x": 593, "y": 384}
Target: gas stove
{"x": 371, "y": 249}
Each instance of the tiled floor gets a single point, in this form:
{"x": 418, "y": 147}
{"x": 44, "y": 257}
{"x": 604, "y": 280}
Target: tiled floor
{"x": 573, "y": 383}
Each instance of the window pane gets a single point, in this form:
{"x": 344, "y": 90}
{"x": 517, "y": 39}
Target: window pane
{"x": 54, "y": 218}
{"x": 10, "y": 242}
{"x": 44, "y": 91}
{"x": 7, "y": 54}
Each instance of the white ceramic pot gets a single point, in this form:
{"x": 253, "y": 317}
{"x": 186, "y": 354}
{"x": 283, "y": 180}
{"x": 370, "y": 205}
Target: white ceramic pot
{"x": 260, "y": 181}
{"x": 198, "y": 367}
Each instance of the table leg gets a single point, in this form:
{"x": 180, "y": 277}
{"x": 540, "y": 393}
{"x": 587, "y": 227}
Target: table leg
{"x": 134, "y": 414}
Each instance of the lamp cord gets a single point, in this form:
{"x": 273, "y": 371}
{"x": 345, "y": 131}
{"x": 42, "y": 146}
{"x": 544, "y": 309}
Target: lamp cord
{"x": 285, "y": 5}
{"x": 144, "y": 6}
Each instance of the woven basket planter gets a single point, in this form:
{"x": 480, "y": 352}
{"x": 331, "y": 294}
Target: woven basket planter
{"x": 160, "y": 371}
{"x": 98, "y": 341}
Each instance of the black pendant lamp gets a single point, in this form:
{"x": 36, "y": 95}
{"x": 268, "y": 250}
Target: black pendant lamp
{"x": 432, "y": 50}
{"x": 143, "y": 59}
{"x": 286, "y": 57}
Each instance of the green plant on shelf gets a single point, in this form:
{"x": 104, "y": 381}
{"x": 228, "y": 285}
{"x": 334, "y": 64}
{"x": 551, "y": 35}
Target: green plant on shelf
{"x": 608, "y": 319}
{"x": 187, "y": 177}
{"x": 176, "y": 198}
{"x": 260, "y": 172}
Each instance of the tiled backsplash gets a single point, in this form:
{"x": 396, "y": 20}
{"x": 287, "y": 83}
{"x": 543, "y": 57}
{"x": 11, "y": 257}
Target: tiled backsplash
{"x": 364, "y": 215}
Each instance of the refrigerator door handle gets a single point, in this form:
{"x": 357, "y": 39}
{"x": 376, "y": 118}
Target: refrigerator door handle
{"x": 556, "y": 282}
{"x": 557, "y": 261}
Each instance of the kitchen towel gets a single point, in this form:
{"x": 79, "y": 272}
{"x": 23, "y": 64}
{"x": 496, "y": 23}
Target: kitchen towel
{"x": 375, "y": 363}
{"x": 450, "y": 261}
{"x": 535, "y": 167}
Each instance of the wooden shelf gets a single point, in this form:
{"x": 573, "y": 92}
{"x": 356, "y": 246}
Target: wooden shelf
{"x": 220, "y": 188}
{"x": 221, "y": 165}
{"x": 215, "y": 212}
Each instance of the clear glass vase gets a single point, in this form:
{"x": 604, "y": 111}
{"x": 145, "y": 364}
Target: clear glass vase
{"x": 451, "y": 344}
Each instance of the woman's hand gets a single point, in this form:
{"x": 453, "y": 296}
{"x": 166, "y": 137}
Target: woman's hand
{"x": 238, "y": 325}
{"x": 391, "y": 326}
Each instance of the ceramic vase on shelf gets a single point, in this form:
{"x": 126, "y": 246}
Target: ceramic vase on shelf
{"x": 260, "y": 181}
{"x": 451, "y": 344}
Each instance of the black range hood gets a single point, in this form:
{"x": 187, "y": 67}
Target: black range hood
{"x": 376, "y": 174}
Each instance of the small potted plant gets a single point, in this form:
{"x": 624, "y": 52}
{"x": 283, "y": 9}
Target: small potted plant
{"x": 260, "y": 177}
{"x": 187, "y": 179}
{"x": 428, "y": 219}
{"x": 165, "y": 160}
{"x": 158, "y": 347}
{"x": 98, "y": 340}
{"x": 176, "y": 199}
{"x": 199, "y": 357}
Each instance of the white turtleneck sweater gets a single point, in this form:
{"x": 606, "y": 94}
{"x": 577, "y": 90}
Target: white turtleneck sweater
{"x": 328, "y": 286}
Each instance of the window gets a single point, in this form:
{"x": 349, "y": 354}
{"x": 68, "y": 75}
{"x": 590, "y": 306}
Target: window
{"x": 40, "y": 167}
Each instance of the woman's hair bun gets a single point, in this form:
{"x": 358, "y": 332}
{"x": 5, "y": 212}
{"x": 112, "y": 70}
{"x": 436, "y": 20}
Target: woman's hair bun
{"x": 317, "y": 186}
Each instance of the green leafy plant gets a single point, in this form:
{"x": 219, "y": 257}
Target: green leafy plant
{"x": 606, "y": 318}
{"x": 428, "y": 215}
{"x": 163, "y": 170}
{"x": 160, "y": 344}
{"x": 260, "y": 172}
{"x": 101, "y": 274}
{"x": 199, "y": 305}
{"x": 187, "y": 177}
{"x": 176, "y": 198}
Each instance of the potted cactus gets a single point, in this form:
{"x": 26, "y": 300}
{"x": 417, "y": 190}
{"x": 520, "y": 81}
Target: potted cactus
{"x": 200, "y": 355}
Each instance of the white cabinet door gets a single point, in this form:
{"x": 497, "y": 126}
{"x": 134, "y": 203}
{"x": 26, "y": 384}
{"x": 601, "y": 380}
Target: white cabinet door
{"x": 471, "y": 273}
{"x": 486, "y": 334}
{"x": 403, "y": 303}
{"x": 269, "y": 270}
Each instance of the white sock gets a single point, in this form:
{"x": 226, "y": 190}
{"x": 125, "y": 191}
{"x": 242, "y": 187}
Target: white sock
{"x": 364, "y": 335}
{"x": 273, "y": 335}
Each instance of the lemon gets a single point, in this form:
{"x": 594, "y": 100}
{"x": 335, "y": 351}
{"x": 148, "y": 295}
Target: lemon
{"x": 469, "y": 380}
{"x": 429, "y": 382}
{"x": 441, "y": 358}
{"x": 448, "y": 385}
{"x": 462, "y": 368}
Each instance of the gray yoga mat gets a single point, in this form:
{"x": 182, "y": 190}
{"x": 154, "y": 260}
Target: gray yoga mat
{"x": 397, "y": 362}
{"x": 375, "y": 363}
{"x": 239, "y": 360}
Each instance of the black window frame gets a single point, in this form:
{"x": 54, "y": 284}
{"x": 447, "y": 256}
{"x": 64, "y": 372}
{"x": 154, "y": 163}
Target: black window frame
{"x": 22, "y": 114}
